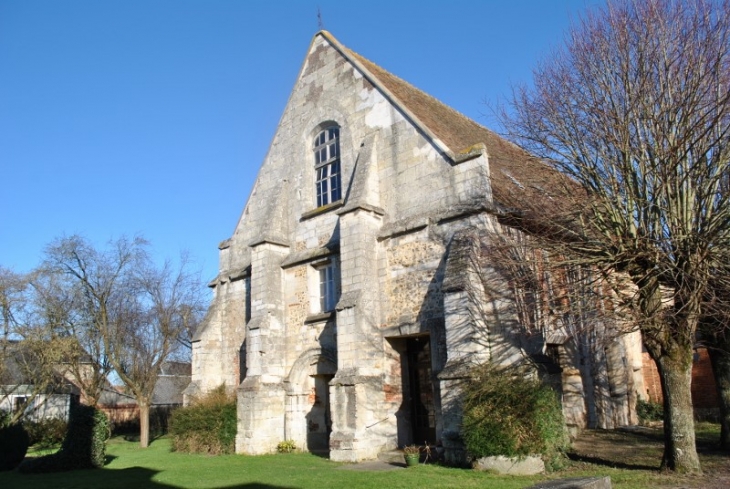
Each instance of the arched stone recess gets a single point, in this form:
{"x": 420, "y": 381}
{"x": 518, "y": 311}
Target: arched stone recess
{"x": 308, "y": 415}
{"x": 324, "y": 115}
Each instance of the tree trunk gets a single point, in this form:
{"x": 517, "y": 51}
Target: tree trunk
{"x": 675, "y": 371}
{"x": 670, "y": 343}
{"x": 144, "y": 423}
{"x": 719, "y": 350}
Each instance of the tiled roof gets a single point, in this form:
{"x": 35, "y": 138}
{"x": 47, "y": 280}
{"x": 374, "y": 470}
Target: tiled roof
{"x": 19, "y": 365}
{"x": 169, "y": 389}
{"x": 176, "y": 368}
{"x": 174, "y": 377}
{"x": 517, "y": 177}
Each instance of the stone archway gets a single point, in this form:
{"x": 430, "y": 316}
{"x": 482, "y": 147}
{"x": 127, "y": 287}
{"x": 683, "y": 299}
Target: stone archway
{"x": 308, "y": 420}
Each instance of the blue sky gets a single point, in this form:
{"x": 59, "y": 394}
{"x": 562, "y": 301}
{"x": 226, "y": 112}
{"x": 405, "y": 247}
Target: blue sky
{"x": 153, "y": 117}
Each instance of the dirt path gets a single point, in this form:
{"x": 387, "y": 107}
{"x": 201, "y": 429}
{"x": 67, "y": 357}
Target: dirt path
{"x": 641, "y": 448}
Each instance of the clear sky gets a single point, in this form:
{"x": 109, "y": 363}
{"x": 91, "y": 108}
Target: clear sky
{"x": 152, "y": 117}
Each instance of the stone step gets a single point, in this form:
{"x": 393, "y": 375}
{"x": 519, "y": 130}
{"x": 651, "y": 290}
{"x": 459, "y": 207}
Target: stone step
{"x": 392, "y": 456}
{"x": 396, "y": 455}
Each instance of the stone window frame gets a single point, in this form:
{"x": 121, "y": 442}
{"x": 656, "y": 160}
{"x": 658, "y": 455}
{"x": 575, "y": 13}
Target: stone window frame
{"x": 325, "y": 285}
{"x": 327, "y": 165}
{"x": 328, "y": 287}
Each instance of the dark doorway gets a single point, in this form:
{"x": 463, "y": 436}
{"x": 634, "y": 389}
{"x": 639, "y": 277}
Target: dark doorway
{"x": 423, "y": 420}
{"x": 319, "y": 419}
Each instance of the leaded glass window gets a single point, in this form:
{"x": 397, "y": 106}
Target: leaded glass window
{"x": 327, "y": 166}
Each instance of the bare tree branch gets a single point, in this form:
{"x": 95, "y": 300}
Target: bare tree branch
{"x": 635, "y": 109}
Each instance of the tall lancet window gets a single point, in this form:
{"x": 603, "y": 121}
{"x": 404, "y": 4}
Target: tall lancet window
{"x": 327, "y": 166}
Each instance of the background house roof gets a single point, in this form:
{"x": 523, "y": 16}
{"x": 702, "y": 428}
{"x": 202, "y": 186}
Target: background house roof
{"x": 174, "y": 377}
{"x": 20, "y": 365}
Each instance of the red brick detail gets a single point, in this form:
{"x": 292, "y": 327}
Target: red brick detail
{"x": 704, "y": 390}
{"x": 652, "y": 382}
{"x": 392, "y": 393}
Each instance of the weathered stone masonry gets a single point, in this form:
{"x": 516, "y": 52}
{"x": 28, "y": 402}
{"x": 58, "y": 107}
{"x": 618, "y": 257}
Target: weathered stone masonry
{"x": 344, "y": 309}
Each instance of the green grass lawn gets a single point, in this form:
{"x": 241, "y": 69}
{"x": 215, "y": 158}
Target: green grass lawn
{"x": 130, "y": 467}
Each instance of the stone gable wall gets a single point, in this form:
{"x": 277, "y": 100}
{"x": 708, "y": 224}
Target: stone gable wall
{"x": 392, "y": 235}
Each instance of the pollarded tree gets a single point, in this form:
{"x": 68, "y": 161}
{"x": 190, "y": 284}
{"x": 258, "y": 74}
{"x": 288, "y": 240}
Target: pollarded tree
{"x": 635, "y": 108}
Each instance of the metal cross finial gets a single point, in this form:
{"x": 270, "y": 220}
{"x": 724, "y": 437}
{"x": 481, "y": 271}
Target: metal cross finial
{"x": 320, "y": 24}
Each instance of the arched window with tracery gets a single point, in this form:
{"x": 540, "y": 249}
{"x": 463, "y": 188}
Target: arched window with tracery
{"x": 327, "y": 166}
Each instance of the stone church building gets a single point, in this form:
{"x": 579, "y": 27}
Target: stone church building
{"x": 344, "y": 309}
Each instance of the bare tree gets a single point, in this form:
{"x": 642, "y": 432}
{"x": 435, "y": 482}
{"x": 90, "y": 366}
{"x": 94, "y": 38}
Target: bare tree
{"x": 636, "y": 110}
{"x": 85, "y": 290}
{"x": 12, "y": 300}
{"x": 131, "y": 314}
{"x": 30, "y": 350}
{"x": 63, "y": 307}
{"x": 169, "y": 304}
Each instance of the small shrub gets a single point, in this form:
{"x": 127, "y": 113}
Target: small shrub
{"x": 208, "y": 426}
{"x": 412, "y": 450}
{"x": 649, "y": 411}
{"x": 46, "y": 433}
{"x": 507, "y": 412}
{"x": 286, "y": 446}
{"x": 14, "y": 443}
{"x": 84, "y": 446}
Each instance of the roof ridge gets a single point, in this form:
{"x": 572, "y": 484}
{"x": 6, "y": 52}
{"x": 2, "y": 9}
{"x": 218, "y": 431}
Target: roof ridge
{"x": 421, "y": 92}
{"x": 379, "y": 78}
{"x": 421, "y": 106}
{"x": 516, "y": 176}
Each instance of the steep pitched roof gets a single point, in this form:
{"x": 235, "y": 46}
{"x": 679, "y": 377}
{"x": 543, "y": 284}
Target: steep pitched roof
{"x": 21, "y": 366}
{"x": 517, "y": 177}
{"x": 169, "y": 389}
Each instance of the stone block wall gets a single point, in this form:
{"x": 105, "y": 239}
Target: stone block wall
{"x": 393, "y": 235}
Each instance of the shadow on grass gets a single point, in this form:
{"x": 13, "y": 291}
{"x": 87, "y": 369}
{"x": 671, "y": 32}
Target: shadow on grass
{"x": 655, "y": 435}
{"x": 134, "y": 437}
{"x": 609, "y": 463}
{"x": 135, "y": 477}
{"x": 325, "y": 454}
{"x": 706, "y": 443}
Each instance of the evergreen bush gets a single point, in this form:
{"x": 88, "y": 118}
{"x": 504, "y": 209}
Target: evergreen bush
{"x": 649, "y": 411}
{"x": 509, "y": 412}
{"x": 46, "y": 433}
{"x": 14, "y": 442}
{"x": 4, "y": 418}
{"x": 84, "y": 446}
{"x": 207, "y": 426}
